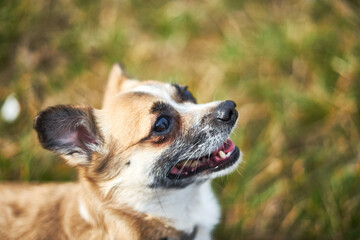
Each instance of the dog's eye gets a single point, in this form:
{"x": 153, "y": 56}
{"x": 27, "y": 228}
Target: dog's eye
{"x": 162, "y": 125}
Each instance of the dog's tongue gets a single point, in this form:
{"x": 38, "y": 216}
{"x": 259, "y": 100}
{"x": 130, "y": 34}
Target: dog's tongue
{"x": 229, "y": 146}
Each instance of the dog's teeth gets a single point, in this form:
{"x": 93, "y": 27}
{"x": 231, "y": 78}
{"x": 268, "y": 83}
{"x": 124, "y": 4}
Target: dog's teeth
{"x": 180, "y": 164}
{"x": 222, "y": 155}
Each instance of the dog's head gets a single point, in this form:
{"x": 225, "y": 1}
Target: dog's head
{"x": 148, "y": 134}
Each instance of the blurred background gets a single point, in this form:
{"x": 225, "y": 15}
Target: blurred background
{"x": 293, "y": 68}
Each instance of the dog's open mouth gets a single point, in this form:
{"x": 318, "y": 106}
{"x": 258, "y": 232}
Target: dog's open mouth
{"x": 223, "y": 157}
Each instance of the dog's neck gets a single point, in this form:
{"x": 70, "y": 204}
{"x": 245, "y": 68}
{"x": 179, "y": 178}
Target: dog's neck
{"x": 175, "y": 214}
{"x": 186, "y": 208}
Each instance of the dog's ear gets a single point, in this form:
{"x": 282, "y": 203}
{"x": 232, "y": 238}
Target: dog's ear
{"x": 116, "y": 77}
{"x": 118, "y": 81}
{"x": 70, "y": 132}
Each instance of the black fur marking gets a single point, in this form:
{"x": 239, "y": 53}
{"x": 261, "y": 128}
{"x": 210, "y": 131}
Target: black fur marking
{"x": 161, "y": 107}
{"x": 183, "y": 95}
{"x": 191, "y": 236}
{"x": 185, "y": 236}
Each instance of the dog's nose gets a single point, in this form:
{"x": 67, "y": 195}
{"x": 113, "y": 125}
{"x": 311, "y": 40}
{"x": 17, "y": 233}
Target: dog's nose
{"x": 226, "y": 111}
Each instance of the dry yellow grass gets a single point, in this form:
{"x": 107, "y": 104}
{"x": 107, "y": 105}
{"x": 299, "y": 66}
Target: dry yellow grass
{"x": 293, "y": 67}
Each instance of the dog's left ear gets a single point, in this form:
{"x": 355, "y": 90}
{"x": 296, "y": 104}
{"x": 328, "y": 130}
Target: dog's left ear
{"x": 70, "y": 132}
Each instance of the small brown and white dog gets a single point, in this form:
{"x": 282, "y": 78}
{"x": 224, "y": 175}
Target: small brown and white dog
{"x": 145, "y": 161}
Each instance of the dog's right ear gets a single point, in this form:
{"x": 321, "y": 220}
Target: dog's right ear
{"x": 116, "y": 77}
{"x": 70, "y": 132}
{"x": 118, "y": 81}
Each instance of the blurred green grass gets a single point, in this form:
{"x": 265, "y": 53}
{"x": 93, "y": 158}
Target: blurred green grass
{"x": 293, "y": 68}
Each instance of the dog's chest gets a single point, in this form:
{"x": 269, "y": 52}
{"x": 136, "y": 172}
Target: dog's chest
{"x": 187, "y": 209}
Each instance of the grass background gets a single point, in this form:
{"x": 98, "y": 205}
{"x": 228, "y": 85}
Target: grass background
{"x": 293, "y": 68}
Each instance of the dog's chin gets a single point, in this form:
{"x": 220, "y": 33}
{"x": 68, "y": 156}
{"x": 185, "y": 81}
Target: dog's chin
{"x": 220, "y": 162}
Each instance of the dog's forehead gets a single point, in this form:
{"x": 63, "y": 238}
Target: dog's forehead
{"x": 161, "y": 91}
{"x": 170, "y": 94}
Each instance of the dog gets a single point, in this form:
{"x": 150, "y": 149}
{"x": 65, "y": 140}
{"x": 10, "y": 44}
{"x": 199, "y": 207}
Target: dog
{"x": 145, "y": 161}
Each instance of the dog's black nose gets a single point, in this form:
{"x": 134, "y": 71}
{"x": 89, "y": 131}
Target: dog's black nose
{"x": 226, "y": 111}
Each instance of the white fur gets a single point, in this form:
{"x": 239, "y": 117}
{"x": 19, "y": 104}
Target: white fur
{"x": 83, "y": 211}
{"x": 196, "y": 110}
{"x": 185, "y": 208}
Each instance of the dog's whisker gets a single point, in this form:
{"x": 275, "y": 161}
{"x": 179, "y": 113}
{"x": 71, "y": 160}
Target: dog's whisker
{"x": 160, "y": 204}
